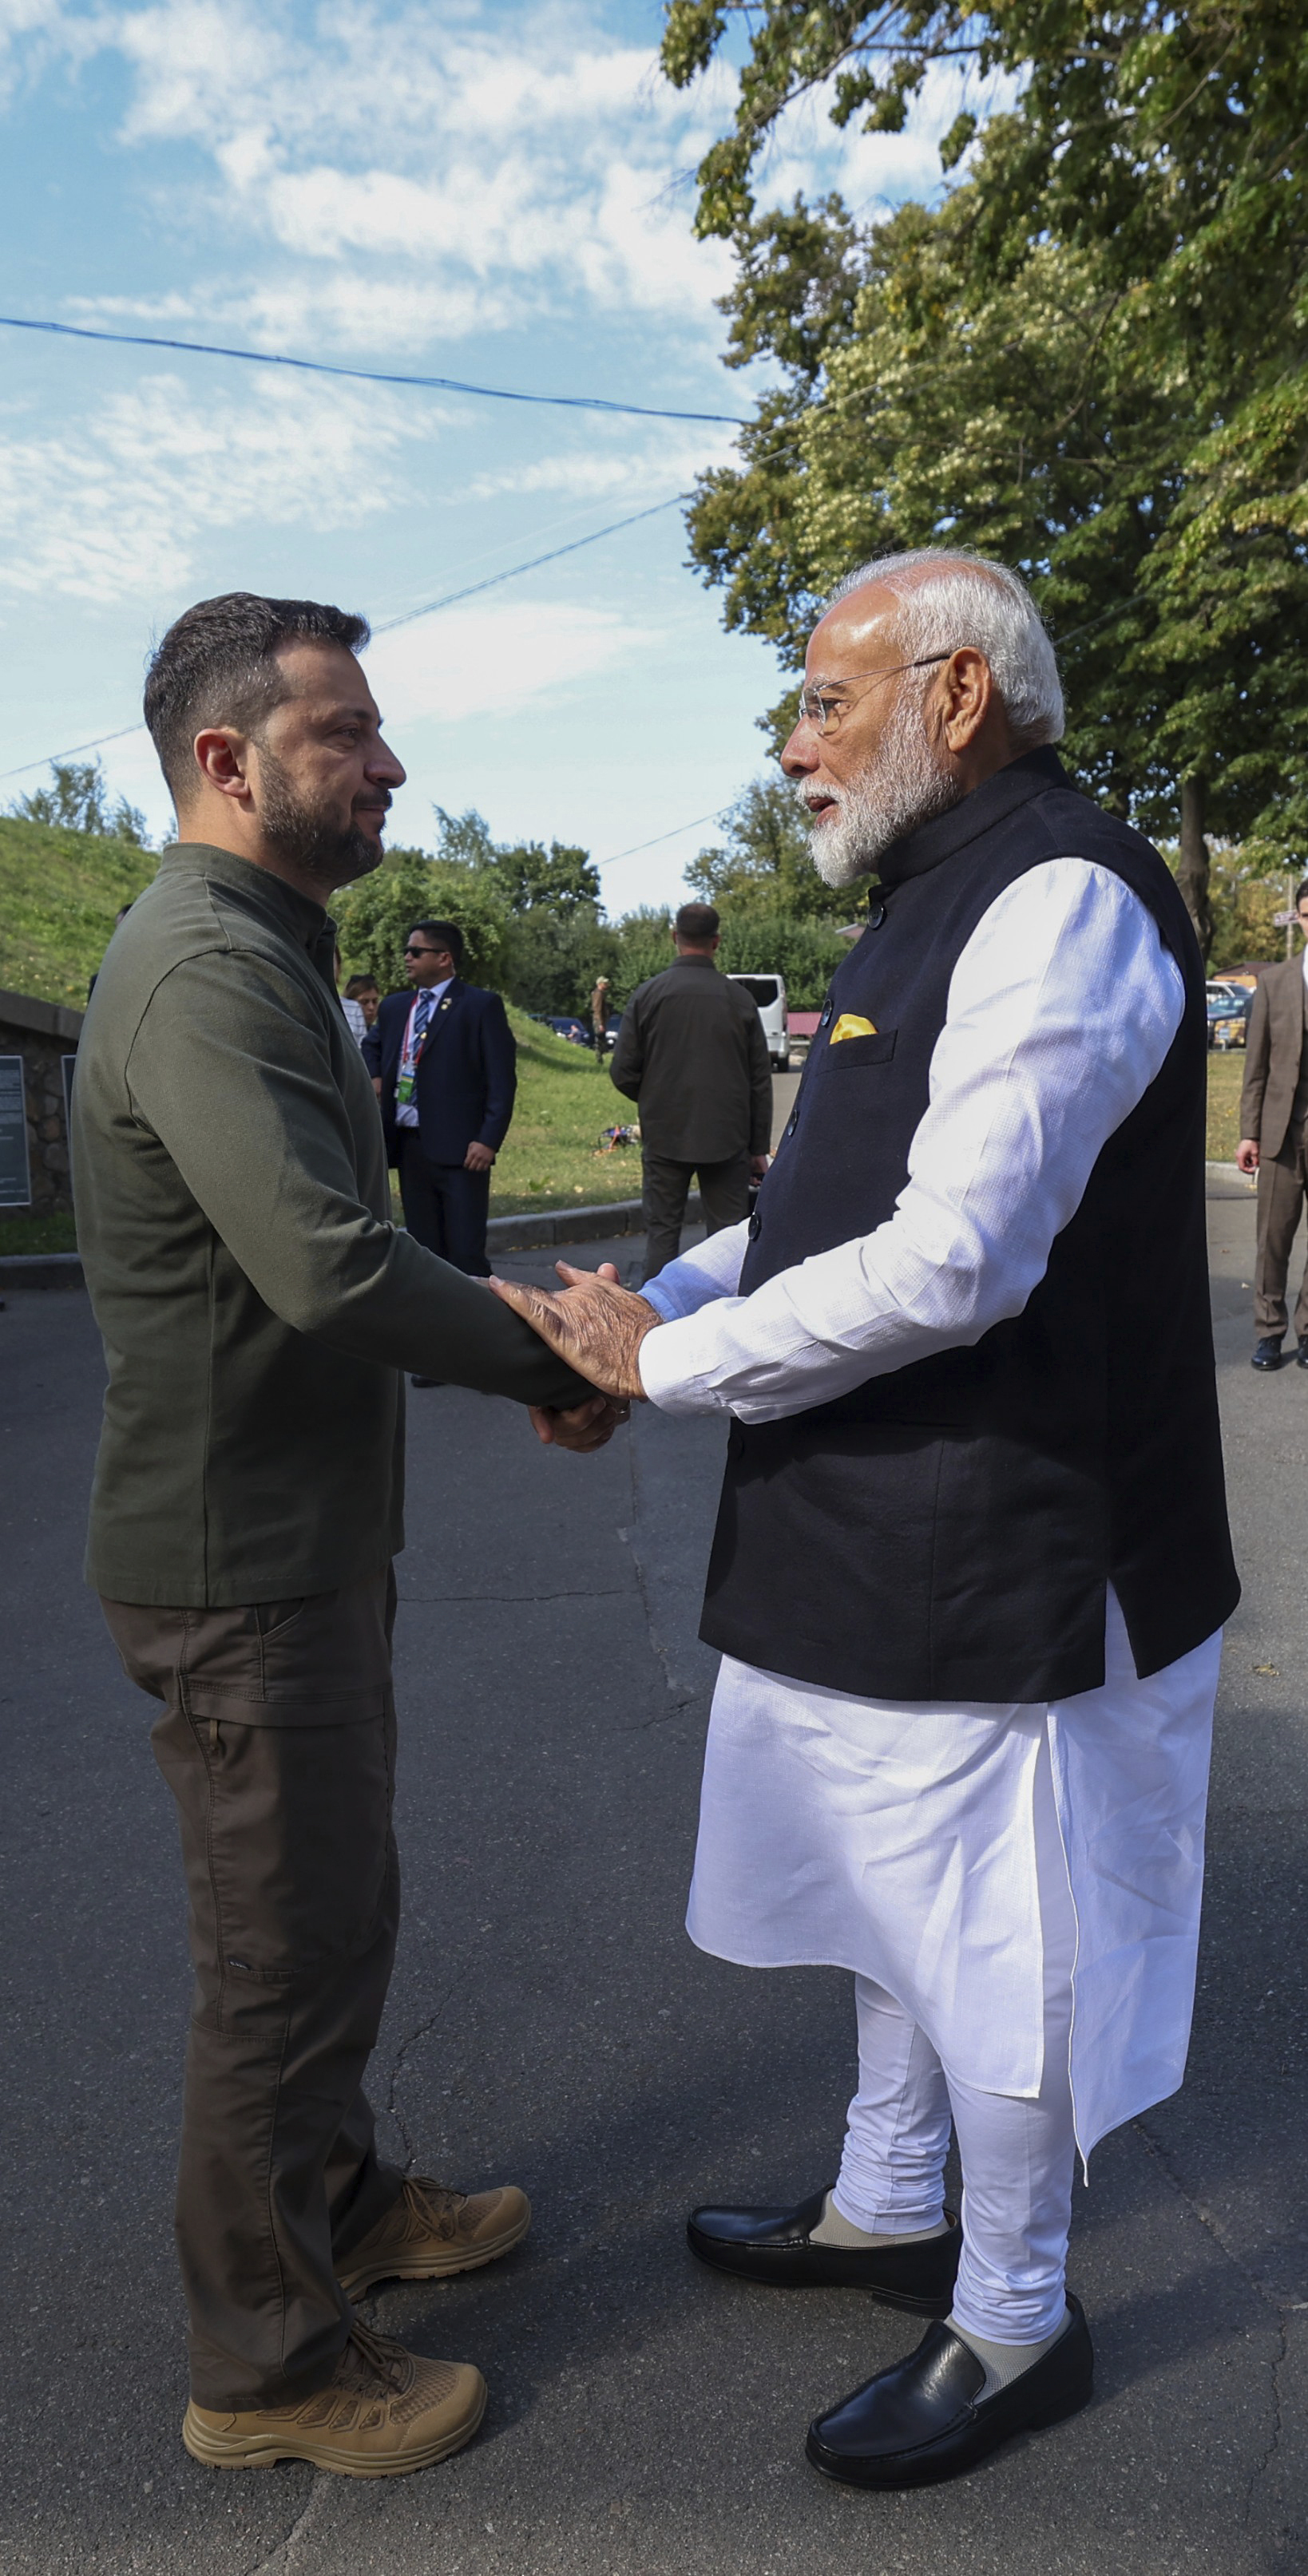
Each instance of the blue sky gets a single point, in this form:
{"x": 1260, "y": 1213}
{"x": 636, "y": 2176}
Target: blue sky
{"x": 493, "y": 193}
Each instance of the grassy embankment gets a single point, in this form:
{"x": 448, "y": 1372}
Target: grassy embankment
{"x": 59, "y": 893}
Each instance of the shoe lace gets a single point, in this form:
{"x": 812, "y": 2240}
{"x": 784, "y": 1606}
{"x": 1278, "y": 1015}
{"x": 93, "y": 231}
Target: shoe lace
{"x": 368, "y": 2358}
{"x": 433, "y": 2203}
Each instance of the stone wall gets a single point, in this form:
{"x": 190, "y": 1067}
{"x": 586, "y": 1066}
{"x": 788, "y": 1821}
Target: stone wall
{"x": 43, "y": 1033}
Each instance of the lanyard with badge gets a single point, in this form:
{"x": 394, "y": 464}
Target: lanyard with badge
{"x": 411, "y": 1056}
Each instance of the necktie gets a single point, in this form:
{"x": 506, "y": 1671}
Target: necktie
{"x": 420, "y": 1018}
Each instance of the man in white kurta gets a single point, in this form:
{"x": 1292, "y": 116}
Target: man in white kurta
{"x": 1015, "y": 1886}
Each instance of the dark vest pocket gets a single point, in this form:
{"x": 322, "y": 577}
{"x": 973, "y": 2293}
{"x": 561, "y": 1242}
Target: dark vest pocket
{"x": 874, "y": 1050}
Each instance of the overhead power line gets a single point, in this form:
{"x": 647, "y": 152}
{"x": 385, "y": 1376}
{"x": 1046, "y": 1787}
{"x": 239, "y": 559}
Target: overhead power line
{"x": 364, "y": 375}
{"x": 674, "y": 834}
{"x": 386, "y": 626}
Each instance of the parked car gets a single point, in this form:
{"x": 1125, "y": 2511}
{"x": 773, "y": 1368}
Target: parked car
{"x": 1229, "y": 1006}
{"x": 611, "y": 1027}
{"x": 768, "y": 993}
{"x": 565, "y": 1026}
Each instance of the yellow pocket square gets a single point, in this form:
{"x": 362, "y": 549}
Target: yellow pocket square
{"x": 849, "y": 1025}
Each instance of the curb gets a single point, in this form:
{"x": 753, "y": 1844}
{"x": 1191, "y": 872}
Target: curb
{"x": 41, "y": 1270}
{"x": 504, "y": 1234}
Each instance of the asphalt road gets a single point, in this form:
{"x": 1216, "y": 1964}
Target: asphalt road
{"x": 549, "y": 2021}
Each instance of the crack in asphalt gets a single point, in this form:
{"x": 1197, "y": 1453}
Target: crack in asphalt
{"x": 1281, "y": 2310}
{"x": 286, "y": 2556}
{"x": 410, "y": 2040}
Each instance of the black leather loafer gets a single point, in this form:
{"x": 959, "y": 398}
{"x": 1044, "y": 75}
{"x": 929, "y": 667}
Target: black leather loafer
{"x": 1267, "y": 1354}
{"x": 774, "y": 2245}
{"x": 1301, "y": 1355}
{"x": 925, "y": 2419}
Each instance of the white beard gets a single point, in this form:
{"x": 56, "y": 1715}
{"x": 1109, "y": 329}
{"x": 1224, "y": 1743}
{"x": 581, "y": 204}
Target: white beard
{"x": 902, "y": 787}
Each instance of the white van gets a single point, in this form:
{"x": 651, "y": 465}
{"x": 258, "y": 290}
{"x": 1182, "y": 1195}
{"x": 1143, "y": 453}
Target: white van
{"x": 768, "y": 992}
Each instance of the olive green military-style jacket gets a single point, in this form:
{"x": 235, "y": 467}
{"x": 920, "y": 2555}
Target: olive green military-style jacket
{"x": 257, "y": 1305}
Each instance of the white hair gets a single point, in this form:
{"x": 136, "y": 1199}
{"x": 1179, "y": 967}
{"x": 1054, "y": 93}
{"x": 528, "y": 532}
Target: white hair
{"x": 947, "y": 600}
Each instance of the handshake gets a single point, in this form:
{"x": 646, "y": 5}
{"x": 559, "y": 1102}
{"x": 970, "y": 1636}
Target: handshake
{"x": 597, "y": 1326}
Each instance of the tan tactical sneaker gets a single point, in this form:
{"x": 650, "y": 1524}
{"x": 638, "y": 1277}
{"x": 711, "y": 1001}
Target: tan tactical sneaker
{"x": 383, "y": 2411}
{"x": 431, "y": 2231}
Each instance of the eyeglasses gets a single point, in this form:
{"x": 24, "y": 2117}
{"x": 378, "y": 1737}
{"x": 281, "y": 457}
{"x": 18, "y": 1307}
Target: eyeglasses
{"x": 425, "y": 952}
{"x": 824, "y": 702}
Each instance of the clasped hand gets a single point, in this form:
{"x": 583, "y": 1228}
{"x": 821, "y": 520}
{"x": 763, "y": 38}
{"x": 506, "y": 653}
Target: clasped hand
{"x": 597, "y": 1326}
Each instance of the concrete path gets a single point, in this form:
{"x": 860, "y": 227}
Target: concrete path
{"x": 550, "y": 2021}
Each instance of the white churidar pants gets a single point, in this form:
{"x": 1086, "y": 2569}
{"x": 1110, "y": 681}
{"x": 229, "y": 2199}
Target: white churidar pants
{"x": 1017, "y": 1891}
{"x": 1018, "y": 2154}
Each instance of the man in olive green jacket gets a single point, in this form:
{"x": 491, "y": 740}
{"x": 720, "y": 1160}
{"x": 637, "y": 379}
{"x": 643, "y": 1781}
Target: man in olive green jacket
{"x": 258, "y": 1310}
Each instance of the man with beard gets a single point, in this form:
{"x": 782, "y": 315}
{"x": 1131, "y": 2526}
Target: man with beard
{"x": 258, "y": 1308}
{"x": 971, "y": 1560}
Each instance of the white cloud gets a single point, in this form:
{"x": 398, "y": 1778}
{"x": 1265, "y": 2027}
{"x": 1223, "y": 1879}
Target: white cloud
{"x": 479, "y": 661}
{"x": 601, "y": 473}
{"x": 479, "y": 178}
{"x": 117, "y": 506}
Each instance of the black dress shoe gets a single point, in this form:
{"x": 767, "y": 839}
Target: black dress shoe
{"x": 427, "y": 1381}
{"x": 926, "y": 2419}
{"x": 774, "y": 2245}
{"x": 1301, "y": 1355}
{"x": 1267, "y": 1355}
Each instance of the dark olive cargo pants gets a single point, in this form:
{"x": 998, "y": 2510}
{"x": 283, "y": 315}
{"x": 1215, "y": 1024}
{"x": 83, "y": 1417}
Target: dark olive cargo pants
{"x": 723, "y": 1199}
{"x": 277, "y": 1740}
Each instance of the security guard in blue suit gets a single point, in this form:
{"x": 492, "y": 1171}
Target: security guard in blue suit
{"x": 443, "y": 1062}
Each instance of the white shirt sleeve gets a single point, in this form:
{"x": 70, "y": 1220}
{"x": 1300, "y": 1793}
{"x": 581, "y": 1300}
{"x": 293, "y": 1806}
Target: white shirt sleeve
{"x": 1061, "y": 1010}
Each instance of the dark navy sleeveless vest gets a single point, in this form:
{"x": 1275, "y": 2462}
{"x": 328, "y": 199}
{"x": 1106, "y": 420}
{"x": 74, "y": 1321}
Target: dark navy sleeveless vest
{"x": 948, "y": 1531}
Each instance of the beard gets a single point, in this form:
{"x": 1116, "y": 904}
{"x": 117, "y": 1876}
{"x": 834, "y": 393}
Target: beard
{"x": 901, "y": 788}
{"x": 310, "y": 836}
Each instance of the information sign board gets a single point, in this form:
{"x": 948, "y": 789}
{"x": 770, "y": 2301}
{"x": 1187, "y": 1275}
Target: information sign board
{"x": 15, "y": 1170}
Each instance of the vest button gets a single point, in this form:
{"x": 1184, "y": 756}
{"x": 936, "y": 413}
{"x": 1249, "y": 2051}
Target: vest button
{"x": 755, "y": 1226}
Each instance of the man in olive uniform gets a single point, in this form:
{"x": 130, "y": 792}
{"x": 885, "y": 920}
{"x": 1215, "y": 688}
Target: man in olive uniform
{"x": 258, "y": 1309}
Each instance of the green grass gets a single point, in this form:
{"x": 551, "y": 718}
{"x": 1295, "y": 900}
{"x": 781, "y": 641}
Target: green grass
{"x": 551, "y": 1153}
{"x": 23, "y": 1233}
{"x": 59, "y": 892}
{"x": 1225, "y": 1075}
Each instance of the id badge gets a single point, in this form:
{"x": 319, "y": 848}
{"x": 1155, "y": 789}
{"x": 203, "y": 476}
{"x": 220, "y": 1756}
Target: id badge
{"x": 404, "y": 1091}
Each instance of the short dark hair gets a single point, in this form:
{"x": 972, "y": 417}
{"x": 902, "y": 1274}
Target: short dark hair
{"x": 696, "y": 921}
{"x": 217, "y": 665}
{"x": 1303, "y": 890}
{"x": 442, "y": 934}
{"x": 361, "y": 984}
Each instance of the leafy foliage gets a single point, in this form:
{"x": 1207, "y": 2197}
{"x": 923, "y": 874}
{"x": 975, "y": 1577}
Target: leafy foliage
{"x": 376, "y": 914}
{"x": 765, "y": 866}
{"x": 75, "y": 802}
{"x": 1090, "y": 359}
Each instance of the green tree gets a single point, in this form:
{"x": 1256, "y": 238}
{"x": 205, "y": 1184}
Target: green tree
{"x": 376, "y": 914}
{"x": 756, "y": 940}
{"x": 552, "y": 959}
{"x": 1090, "y": 358}
{"x": 765, "y": 864}
{"x": 555, "y": 941}
{"x": 76, "y": 801}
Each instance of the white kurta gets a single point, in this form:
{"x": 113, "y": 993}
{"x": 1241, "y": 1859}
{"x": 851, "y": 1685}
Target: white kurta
{"x": 899, "y": 1840}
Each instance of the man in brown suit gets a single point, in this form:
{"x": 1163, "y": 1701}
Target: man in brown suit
{"x": 1273, "y": 1132}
